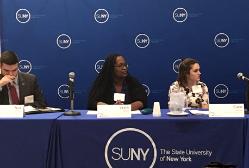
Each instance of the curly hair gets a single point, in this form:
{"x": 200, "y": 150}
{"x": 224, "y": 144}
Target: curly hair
{"x": 104, "y": 79}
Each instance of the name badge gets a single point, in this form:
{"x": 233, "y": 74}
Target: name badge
{"x": 197, "y": 89}
{"x": 29, "y": 99}
{"x": 119, "y": 96}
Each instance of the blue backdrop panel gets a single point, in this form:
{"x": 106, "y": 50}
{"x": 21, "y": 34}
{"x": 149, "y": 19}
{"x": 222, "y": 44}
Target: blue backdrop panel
{"x": 58, "y": 36}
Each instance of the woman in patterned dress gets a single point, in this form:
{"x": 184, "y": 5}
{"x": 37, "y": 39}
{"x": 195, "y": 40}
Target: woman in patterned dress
{"x": 188, "y": 81}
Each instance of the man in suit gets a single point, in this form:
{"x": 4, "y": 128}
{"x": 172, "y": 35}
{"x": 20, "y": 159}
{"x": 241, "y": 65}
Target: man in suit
{"x": 17, "y": 87}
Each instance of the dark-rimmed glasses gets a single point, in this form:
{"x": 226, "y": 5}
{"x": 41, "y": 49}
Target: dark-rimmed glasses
{"x": 121, "y": 65}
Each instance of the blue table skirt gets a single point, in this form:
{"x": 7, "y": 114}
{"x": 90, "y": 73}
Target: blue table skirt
{"x": 182, "y": 142}
{"x": 26, "y": 142}
{"x": 56, "y": 141}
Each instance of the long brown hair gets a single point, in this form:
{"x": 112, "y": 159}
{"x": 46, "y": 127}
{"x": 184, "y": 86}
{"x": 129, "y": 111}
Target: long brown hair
{"x": 184, "y": 70}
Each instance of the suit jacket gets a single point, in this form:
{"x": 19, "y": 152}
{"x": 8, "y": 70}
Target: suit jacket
{"x": 27, "y": 86}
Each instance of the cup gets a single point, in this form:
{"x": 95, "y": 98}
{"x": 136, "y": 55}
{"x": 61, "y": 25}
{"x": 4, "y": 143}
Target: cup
{"x": 177, "y": 102}
{"x": 156, "y": 109}
{"x": 175, "y": 107}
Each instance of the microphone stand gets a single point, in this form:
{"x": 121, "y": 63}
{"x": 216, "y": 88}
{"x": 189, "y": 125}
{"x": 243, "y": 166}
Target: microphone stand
{"x": 71, "y": 112}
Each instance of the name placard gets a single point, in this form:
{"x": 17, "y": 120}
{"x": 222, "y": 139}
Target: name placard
{"x": 226, "y": 110}
{"x": 114, "y": 111}
{"x": 11, "y": 111}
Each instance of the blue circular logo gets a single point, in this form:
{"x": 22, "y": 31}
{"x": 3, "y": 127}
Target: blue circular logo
{"x": 63, "y": 41}
{"x": 101, "y": 16}
{"x": 142, "y": 41}
{"x": 25, "y": 66}
{"x": 99, "y": 65}
{"x": 23, "y": 16}
{"x": 147, "y": 89}
{"x": 221, "y": 40}
{"x": 221, "y": 91}
{"x": 130, "y": 155}
{"x": 180, "y": 15}
{"x": 63, "y": 91}
{"x": 176, "y": 65}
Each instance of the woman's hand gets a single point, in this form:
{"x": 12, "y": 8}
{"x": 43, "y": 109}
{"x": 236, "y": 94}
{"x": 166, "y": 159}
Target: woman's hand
{"x": 119, "y": 102}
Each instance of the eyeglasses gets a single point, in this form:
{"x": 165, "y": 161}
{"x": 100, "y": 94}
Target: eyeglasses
{"x": 121, "y": 65}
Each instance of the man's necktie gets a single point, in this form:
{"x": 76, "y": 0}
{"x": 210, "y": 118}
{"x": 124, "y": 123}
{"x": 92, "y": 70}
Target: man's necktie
{"x": 13, "y": 94}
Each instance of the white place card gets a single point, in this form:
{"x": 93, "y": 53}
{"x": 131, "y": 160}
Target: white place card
{"x": 114, "y": 111}
{"x": 11, "y": 111}
{"x": 226, "y": 110}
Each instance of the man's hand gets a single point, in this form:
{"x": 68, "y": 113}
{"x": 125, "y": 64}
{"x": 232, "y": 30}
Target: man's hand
{"x": 6, "y": 79}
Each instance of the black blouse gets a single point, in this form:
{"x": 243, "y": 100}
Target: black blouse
{"x": 132, "y": 89}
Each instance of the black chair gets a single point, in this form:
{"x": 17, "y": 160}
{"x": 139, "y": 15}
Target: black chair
{"x": 247, "y": 97}
{"x": 219, "y": 165}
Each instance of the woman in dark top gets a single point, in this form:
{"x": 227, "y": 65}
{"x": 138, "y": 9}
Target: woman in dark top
{"x": 114, "y": 78}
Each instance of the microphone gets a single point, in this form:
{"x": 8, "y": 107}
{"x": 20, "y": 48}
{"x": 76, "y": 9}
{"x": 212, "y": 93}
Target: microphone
{"x": 71, "y": 77}
{"x": 242, "y": 77}
{"x": 71, "y": 112}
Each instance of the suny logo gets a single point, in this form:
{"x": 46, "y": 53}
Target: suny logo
{"x": 63, "y": 91}
{"x": 63, "y": 41}
{"x": 221, "y": 91}
{"x": 147, "y": 89}
{"x": 221, "y": 40}
{"x": 142, "y": 41}
{"x": 176, "y": 65}
{"x": 99, "y": 65}
{"x": 101, "y": 16}
{"x": 140, "y": 152}
{"x": 25, "y": 66}
{"x": 23, "y": 16}
{"x": 180, "y": 15}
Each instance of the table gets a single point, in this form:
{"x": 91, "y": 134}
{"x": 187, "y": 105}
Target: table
{"x": 246, "y": 137}
{"x": 26, "y": 142}
{"x": 143, "y": 141}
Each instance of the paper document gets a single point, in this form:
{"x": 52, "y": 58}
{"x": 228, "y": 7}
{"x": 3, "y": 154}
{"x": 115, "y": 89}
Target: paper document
{"x": 199, "y": 112}
{"x": 29, "y": 108}
{"x": 136, "y": 112}
{"x": 91, "y": 112}
{"x": 33, "y": 110}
